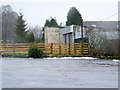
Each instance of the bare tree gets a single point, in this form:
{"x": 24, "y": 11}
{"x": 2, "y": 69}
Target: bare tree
{"x": 97, "y": 40}
{"x": 103, "y": 43}
{"x": 9, "y": 18}
{"x": 37, "y": 31}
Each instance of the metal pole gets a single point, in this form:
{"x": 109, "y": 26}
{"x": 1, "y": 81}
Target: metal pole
{"x": 82, "y": 36}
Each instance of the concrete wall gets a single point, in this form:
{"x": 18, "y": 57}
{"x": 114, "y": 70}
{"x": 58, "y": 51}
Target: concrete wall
{"x": 52, "y": 35}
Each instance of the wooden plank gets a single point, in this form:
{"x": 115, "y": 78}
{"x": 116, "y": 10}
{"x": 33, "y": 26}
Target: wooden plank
{"x": 60, "y": 48}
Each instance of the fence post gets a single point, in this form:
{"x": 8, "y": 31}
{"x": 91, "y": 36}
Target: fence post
{"x": 13, "y": 49}
{"x": 69, "y": 48}
{"x": 82, "y": 48}
{"x": 74, "y": 48}
{"x": 51, "y": 48}
{"x": 59, "y": 49}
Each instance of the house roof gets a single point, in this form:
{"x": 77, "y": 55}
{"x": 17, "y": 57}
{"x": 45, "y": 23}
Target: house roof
{"x": 104, "y": 25}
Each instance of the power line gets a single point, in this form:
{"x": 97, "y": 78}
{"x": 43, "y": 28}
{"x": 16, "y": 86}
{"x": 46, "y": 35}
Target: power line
{"x": 116, "y": 4}
{"x": 110, "y": 16}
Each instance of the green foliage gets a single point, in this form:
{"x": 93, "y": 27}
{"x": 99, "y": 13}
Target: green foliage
{"x": 109, "y": 57}
{"x": 47, "y": 23}
{"x": 30, "y": 37}
{"x": 35, "y": 52}
{"x": 20, "y": 29}
{"x": 43, "y": 36}
{"x": 73, "y": 17}
{"x": 16, "y": 54}
{"x": 51, "y": 23}
{"x": 39, "y": 40}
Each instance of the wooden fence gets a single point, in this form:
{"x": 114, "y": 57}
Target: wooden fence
{"x": 49, "y": 48}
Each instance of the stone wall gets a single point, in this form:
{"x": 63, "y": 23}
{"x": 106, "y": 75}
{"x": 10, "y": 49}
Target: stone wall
{"x": 52, "y": 35}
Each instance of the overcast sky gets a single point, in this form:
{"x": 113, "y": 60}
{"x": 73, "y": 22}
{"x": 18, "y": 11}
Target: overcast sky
{"x": 37, "y": 11}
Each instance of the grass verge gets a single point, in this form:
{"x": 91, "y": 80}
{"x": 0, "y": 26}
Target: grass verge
{"x": 16, "y": 54}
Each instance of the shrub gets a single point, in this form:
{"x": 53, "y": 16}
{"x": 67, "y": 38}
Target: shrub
{"x": 35, "y": 52}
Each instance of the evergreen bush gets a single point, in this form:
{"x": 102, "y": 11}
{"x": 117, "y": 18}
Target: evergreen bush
{"x": 35, "y": 52}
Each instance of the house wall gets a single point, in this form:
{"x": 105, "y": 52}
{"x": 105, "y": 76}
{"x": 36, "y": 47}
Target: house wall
{"x": 65, "y": 34}
{"x": 78, "y": 32}
{"x": 52, "y": 35}
{"x": 0, "y": 26}
{"x": 73, "y": 32}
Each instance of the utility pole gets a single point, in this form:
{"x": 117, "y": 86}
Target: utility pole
{"x": 82, "y": 36}
{"x": 118, "y": 38}
{"x": 59, "y": 43}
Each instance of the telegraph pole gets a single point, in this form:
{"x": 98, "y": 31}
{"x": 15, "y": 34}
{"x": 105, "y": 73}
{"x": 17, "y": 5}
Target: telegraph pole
{"x": 82, "y": 36}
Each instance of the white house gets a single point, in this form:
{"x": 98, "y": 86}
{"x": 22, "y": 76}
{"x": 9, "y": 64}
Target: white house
{"x": 68, "y": 34}
{"x": 71, "y": 34}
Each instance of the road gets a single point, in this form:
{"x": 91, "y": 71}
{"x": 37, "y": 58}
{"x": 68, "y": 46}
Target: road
{"x": 59, "y": 73}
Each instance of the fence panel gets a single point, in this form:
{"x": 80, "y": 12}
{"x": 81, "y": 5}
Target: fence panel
{"x": 48, "y": 48}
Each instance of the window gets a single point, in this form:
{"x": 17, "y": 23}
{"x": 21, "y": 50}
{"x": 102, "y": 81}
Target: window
{"x": 65, "y": 38}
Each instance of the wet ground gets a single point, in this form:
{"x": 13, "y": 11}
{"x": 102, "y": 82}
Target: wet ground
{"x": 59, "y": 73}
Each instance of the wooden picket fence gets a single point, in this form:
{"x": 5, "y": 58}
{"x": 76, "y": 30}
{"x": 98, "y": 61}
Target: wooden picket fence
{"x": 48, "y": 48}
